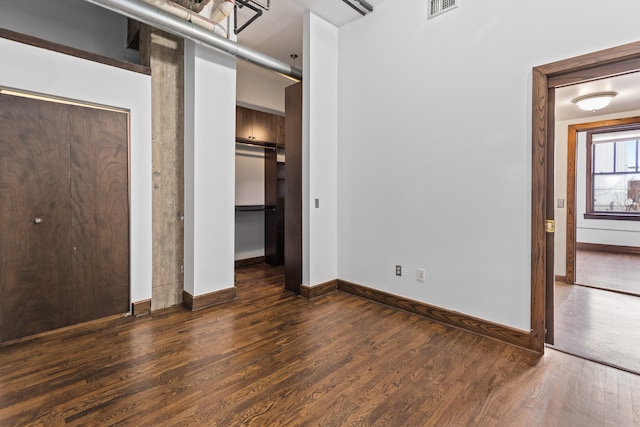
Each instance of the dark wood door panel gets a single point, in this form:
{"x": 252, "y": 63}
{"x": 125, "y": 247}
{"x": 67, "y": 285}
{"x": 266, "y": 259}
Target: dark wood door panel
{"x": 64, "y": 215}
{"x": 100, "y": 212}
{"x": 293, "y": 179}
{"x": 244, "y": 123}
{"x": 35, "y": 245}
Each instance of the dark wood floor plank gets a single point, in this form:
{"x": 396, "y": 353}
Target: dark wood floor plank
{"x": 271, "y": 358}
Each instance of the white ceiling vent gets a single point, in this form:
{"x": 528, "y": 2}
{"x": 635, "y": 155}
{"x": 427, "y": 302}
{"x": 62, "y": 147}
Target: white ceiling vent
{"x": 438, "y": 7}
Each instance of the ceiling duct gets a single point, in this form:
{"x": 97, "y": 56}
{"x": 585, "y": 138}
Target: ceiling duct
{"x": 360, "y": 6}
{"x": 148, "y": 14}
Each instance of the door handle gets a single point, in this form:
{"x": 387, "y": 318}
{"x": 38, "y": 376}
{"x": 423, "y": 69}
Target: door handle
{"x": 37, "y": 220}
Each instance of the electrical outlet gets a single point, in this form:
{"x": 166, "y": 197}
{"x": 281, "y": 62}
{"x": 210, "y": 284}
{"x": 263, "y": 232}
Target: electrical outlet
{"x": 421, "y": 275}
{"x": 398, "y": 270}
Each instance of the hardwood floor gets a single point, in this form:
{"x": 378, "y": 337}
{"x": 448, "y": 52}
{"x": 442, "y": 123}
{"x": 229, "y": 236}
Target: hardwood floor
{"x": 606, "y": 270}
{"x": 599, "y": 325}
{"x": 270, "y": 358}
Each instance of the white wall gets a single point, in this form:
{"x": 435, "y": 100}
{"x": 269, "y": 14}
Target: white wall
{"x": 54, "y": 74}
{"x": 249, "y": 235}
{"x": 588, "y": 231}
{"x": 320, "y": 151}
{"x": 75, "y": 23}
{"x": 210, "y": 108}
{"x": 261, "y": 89}
{"x": 435, "y": 144}
{"x": 249, "y": 175}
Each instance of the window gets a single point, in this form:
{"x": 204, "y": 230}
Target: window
{"x": 613, "y": 173}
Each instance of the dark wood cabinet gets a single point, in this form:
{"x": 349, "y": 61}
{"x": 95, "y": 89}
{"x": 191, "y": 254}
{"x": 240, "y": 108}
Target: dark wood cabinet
{"x": 64, "y": 216}
{"x": 271, "y": 255}
{"x": 244, "y": 123}
{"x": 293, "y": 172}
{"x": 274, "y": 193}
{"x": 254, "y": 125}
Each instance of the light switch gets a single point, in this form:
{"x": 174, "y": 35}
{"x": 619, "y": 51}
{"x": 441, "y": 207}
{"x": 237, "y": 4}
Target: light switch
{"x": 560, "y": 203}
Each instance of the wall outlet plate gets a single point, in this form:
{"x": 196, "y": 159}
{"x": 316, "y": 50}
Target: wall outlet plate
{"x": 420, "y": 275}
{"x": 398, "y": 270}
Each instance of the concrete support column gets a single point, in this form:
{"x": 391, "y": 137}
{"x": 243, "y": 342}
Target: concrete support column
{"x": 164, "y": 54}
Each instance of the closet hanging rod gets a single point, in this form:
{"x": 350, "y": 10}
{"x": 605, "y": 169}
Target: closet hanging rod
{"x": 255, "y": 208}
{"x": 253, "y": 144}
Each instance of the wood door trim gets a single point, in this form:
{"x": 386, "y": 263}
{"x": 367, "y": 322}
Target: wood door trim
{"x": 72, "y": 51}
{"x": 60, "y": 100}
{"x": 599, "y": 64}
{"x": 538, "y": 206}
{"x": 572, "y": 140}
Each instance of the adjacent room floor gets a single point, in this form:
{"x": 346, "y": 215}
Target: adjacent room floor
{"x": 618, "y": 272}
{"x": 598, "y": 325}
{"x": 599, "y": 317}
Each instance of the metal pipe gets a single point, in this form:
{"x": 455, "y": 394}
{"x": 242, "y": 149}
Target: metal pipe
{"x": 361, "y": 4}
{"x": 188, "y": 15}
{"x": 354, "y": 7}
{"x": 145, "y": 13}
{"x": 366, "y": 5}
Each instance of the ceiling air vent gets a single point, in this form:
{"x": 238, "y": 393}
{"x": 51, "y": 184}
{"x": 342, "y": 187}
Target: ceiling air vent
{"x": 438, "y": 7}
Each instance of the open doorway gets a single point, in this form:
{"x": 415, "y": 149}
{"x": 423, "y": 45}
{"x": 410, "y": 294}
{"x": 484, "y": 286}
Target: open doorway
{"x": 545, "y": 79}
{"x": 594, "y": 318}
{"x": 571, "y": 302}
{"x": 603, "y": 231}
{"x": 268, "y": 177}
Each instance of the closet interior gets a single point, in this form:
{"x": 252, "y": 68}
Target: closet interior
{"x": 260, "y": 187}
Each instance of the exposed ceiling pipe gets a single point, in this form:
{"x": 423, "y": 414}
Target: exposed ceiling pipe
{"x": 188, "y": 15}
{"x": 148, "y": 14}
{"x": 223, "y": 11}
{"x": 360, "y": 6}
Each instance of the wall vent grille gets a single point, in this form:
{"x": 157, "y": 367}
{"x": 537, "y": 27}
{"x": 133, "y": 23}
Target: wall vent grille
{"x": 438, "y": 7}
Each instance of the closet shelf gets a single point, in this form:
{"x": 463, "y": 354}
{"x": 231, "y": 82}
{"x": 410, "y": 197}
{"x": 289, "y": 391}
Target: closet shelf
{"x": 255, "y": 208}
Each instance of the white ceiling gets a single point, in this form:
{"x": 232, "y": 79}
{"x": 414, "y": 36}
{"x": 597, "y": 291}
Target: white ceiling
{"x": 627, "y": 86}
{"x": 278, "y": 32}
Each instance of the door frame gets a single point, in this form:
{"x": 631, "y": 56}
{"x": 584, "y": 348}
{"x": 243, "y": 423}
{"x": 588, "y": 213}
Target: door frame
{"x": 572, "y": 218}
{"x": 546, "y": 78}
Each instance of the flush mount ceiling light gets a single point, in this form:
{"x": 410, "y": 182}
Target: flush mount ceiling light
{"x": 594, "y": 101}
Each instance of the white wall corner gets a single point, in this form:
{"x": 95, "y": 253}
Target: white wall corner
{"x": 210, "y": 82}
{"x": 320, "y": 151}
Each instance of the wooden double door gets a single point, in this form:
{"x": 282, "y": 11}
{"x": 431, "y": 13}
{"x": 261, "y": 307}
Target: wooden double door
{"x": 64, "y": 214}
